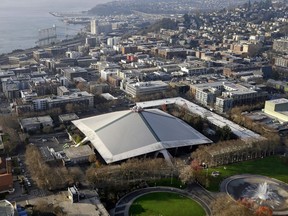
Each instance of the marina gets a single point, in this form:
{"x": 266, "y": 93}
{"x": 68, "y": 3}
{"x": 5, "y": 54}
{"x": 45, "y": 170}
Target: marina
{"x": 68, "y": 14}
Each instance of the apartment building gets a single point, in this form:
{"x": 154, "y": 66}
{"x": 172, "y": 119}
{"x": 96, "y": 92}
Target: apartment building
{"x": 139, "y": 89}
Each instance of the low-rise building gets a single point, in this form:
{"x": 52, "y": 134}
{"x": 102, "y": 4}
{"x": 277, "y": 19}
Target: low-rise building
{"x": 281, "y": 45}
{"x": 224, "y": 95}
{"x": 73, "y": 194}
{"x": 139, "y": 89}
{"x": 281, "y": 61}
{"x": 169, "y": 53}
{"x": 67, "y": 118}
{"x": 277, "y": 108}
{"x": 71, "y": 72}
{"x": 83, "y": 99}
{"x": 40, "y": 54}
{"x": 35, "y": 123}
{"x": 77, "y": 155}
{"x": 99, "y": 88}
{"x": 62, "y": 90}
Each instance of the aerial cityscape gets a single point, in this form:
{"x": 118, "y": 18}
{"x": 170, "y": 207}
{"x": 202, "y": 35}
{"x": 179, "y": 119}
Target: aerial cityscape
{"x": 149, "y": 107}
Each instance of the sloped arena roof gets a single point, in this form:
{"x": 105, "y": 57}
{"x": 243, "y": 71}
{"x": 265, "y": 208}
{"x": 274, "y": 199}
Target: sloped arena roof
{"x": 125, "y": 134}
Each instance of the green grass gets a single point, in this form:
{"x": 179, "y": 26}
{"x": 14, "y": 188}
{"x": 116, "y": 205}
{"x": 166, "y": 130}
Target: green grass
{"x": 165, "y": 204}
{"x": 273, "y": 167}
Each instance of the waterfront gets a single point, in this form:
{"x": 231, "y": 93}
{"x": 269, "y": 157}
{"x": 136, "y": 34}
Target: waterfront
{"x": 20, "y": 21}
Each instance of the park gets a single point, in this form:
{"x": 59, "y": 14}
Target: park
{"x": 157, "y": 202}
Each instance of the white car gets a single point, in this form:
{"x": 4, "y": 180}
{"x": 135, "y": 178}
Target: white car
{"x": 215, "y": 173}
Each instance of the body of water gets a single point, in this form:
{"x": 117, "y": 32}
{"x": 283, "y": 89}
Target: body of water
{"x": 20, "y": 20}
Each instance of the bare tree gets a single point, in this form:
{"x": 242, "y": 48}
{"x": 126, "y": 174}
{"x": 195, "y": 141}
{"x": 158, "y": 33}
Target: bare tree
{"x": 186, "y": 174}
{"x": 232, "y": 208}
{"x": 92, "y": 158}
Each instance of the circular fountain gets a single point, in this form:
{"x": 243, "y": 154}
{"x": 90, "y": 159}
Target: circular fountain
{"x": 261, "y": 190}
{"x": 263, "y": 194}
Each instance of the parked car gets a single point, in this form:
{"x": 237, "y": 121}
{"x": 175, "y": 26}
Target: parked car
{"x": 215, "y": 173}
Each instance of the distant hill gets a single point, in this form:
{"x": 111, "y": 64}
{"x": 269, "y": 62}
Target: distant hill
{"x": 162, "y": 6}
{"x": 164, "y": 23}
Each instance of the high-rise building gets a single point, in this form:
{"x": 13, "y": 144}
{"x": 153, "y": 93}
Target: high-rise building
{"x": 113, "y": 41}
{"x": 94, "y": 26}
{"x": 97, "y": 29}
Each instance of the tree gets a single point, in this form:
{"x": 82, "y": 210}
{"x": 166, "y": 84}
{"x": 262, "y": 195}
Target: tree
{"x": 91, "y": 175}
{"x": 232, "y": 208}
{"x": 226, "y": 132}
{"x": 263, "y": 211}
{"x": 46, "y": 177}
{"x": 196, "y": 165}
{"x": 92, "y": 158}
{"x": 9, "y": 122}
{"x": 76, "y": 174}
{"x": 186, "y": 174}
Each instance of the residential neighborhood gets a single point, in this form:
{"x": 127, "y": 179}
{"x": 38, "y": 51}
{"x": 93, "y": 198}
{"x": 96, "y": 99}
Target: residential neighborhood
{"x": 186, "y": 98}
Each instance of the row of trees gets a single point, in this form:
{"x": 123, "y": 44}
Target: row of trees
{"x": 201, "y": 124}
{"x": 46, "y": 176}
{"x": 236, "y": 115}
{"x": 226, "y": 152}
{"x": 170, "y": 93}
{"x": 130, "y": 171}
{"x": 114, "y": 181}
{"x": 11, "y": 138}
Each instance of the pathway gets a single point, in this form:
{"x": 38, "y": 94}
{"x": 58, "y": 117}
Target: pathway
{"x": 194, "y": 191}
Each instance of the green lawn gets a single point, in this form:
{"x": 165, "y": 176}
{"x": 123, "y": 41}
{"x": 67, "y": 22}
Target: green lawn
{"x": 165, "y": 204}
{"x": 271, "y": 166}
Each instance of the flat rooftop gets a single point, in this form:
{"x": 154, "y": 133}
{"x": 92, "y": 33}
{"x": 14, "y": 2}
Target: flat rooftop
{"x": 68, "y": 117}
{"x": 76, "y": 152}
{"x": 279, "y": 101}
{"x": 35, "y": 120}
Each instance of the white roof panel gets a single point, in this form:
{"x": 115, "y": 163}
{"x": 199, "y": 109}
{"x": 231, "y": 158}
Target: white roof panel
{"x": 125, "y": 134}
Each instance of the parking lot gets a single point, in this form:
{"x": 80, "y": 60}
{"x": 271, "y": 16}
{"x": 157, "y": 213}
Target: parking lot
{"x": 54, "y": 140}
